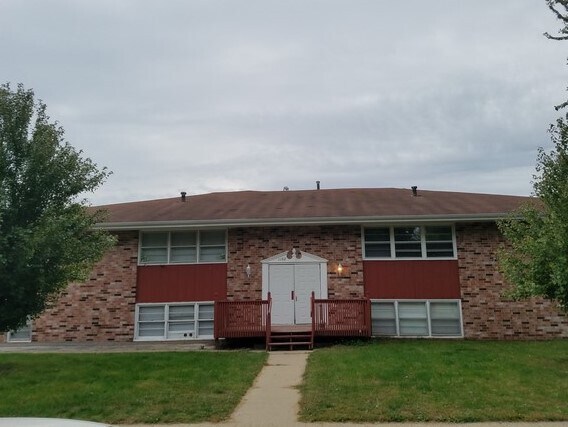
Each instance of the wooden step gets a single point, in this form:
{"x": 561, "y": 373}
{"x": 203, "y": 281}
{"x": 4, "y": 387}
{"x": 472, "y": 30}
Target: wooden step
{"x": 286, "y": 337}
{"x": 290, "y": 345}
{"x": 290, "y": 336}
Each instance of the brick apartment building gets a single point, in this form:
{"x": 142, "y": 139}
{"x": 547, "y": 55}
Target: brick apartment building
{"x": 426, "y": 261}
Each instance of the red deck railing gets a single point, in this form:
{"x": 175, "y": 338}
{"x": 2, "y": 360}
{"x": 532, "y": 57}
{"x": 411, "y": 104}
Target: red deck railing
{"x": 341, "y": 317}
{"x": 242, "y": 319}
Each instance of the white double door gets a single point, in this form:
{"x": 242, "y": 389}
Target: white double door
{"x": 291, "y": 287}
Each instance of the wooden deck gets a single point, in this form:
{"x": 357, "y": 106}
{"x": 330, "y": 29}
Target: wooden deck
{"x": 337, "y": 318}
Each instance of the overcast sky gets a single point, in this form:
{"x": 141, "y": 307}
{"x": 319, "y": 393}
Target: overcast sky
{"x": 204, "y": 96}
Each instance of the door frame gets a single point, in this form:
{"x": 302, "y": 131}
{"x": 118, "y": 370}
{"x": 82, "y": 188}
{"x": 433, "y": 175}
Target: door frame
{"x": 291, "y": 257}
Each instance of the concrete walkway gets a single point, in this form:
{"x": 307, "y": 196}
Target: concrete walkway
{"x": 274, "y": 398}
{"x": 105, "y": 347}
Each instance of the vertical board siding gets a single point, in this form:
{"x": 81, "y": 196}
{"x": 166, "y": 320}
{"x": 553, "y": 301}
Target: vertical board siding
{"x": 238, "y": 319}
{"x": 412, "y": 279}
{"x": 180, "y": 283}
{"x": 341, "y": 317}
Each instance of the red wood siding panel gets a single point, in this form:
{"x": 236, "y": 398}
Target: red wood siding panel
{"x": 417, "y": 279}
{"x": 176, "y": 283}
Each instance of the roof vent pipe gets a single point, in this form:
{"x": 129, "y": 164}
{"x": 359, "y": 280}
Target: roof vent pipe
{"x": 183, "y": 193}
{"x": 414, "y": 190}
{"x": 317, "y": 185}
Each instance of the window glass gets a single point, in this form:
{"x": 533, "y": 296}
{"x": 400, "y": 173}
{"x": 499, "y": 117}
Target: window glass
{"x": 212, "y": 254}
{"x": 154, "y": 255}
{"x": 377, "y": 242}
{"x": 446, "y": 327}
{"x": 151, "y": 321}
{"x": 154, "y": 248}
{"x": 215, "y": 237}
{"x": 413, "y": 327}
{"x": 439, "y": 241}
{"x": 438, "y": 233}
{"x": 178, "y": 255}
{"x": 412, "y": 310}
{"x": 205, "y": 311}
{"x": 179, "y": 247}
{"x": 151, "y": 329}
{"x": 410, "y": 242}
{"x": 407, "y": 242}
{"x": 182, "y": 312}
{"x": 151, "y": 313}
{"x": 23, "y": 334}
{"x": 383, "y": 318}
{"x": 175, "y": 328}
{"x": 184, "y": 238}
{"x": 445, "y": 318}
{"x": 175, "y": 321}
{"x": 444, "y": 310}
{"x": 205, "y": 328}
{"x": 377, "y": 234}
{"x": 412, "y": 318}
{"x": 154, "y": 239}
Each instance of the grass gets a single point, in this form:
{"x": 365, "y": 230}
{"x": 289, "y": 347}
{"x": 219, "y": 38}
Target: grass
{"x": 127, "y": 387}
{"x": 451, "y": 381}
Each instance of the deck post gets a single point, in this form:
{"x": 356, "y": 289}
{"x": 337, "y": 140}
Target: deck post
{"x": 313, "y": 314}
{"x": 268, "y": 321}
{"x": 368, "y": 316}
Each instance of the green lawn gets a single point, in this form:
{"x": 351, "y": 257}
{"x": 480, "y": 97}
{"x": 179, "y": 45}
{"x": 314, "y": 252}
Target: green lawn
{"x": 127, "y": 387}
{"x": 422, "y": 380}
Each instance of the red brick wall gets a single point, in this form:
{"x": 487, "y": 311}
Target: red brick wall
{"x": 337, "y": 244}
{"x": 102, "y": 308}
{"x": 487, "y": 314}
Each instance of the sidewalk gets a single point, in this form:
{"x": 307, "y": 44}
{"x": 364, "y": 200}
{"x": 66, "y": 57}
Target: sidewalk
{"x": 105, "y": 347}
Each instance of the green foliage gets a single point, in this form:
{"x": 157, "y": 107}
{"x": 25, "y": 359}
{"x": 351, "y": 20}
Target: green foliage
{"x": 46, "y": 233}
{"x": 536, "y": 260}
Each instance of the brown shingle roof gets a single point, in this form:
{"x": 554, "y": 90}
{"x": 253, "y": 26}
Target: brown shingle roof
{"x": 311, "y": 206}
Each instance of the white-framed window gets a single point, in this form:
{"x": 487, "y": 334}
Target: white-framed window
{"x": 416, "y": 318}
{"x": 183, "y": 247}
{"x": 23, "y": 334}
{"x": 174, "y": 321}
{"x": 409, "y": 242}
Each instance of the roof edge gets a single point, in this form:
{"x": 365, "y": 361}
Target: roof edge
{"x": 259, "y": 222}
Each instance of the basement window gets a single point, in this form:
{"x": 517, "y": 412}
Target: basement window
{"x": 176, "y": 321}
{"x": 23, "y": 334}
{"x": 409, "y": 242}
{"x": 416, "y": 318}
{"x": 183, "y": 247}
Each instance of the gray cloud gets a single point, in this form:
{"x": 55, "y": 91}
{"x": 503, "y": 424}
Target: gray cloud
{"x": 225, "y": 95}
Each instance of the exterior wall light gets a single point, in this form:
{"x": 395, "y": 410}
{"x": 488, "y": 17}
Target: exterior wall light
{"x": 248, "y": 270}
{"x": 339, "y": 269}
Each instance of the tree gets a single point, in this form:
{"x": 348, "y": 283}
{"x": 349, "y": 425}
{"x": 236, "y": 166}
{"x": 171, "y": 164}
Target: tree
{"x": 560, "y": 10}
{"x": 536, "y": 261}
{"x": 46, "y": 231}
